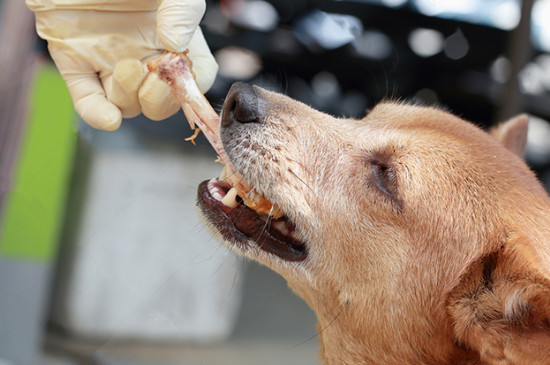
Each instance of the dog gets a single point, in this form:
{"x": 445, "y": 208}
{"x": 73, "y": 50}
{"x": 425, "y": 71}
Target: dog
{"x": 415, "y": 236}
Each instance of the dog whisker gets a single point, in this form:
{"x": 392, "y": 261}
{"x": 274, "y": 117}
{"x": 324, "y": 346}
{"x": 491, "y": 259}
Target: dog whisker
{"x": 266, "y": 225}
{"x": 318, "y": 333}
{"x": 300, "y": 179}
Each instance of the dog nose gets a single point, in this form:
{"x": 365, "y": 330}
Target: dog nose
{"x": 242, "y": 105}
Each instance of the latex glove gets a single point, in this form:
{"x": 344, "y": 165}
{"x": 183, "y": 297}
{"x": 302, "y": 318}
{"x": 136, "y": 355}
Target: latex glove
{"x": 101, "y": 48}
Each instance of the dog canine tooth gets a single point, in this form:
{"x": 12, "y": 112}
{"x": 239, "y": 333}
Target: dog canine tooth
{"x": 230, "y": 198}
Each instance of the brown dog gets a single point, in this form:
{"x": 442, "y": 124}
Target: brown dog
{"x": 416, "y": 237}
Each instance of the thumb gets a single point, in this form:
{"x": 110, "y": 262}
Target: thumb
{"x": 86, "y": 91}
{"x": 177, "y": 21}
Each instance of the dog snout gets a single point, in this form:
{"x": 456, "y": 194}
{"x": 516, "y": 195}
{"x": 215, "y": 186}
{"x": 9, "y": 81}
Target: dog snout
{"x": 242, "y": 105}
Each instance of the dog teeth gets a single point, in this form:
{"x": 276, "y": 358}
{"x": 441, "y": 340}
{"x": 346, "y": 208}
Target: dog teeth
{"x": 230, "y": 199}
{"x": 281, "y": 227}
{"x": 214, "y": 190}
{"x": 250, "y": 197}
{"x": 216, "y": 195}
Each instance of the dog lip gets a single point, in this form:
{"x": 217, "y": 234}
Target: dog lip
{"x": 241, "y": 225}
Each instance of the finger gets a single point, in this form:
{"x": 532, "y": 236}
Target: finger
{"x": 86, "y": 90}
{"x": 123, "y": 85}
{"x": 204, "y": 63}
{"x": 155, "y": 98}
{"x": 177, "y": 21}
{"x": 92, "y": 105}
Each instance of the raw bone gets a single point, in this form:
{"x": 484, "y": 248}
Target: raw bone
{"x": 176, "y": 70}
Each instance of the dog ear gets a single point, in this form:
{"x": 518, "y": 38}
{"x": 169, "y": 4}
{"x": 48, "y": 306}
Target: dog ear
{"x": 501, "y": 307}
{"x": 513, "y": 134}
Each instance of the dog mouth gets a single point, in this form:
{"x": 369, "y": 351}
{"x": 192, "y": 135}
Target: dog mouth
{"x": 240, "y": 224}
{"x": 234, "y": 207}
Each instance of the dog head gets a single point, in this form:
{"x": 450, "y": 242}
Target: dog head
{"x": 414, "y": 235}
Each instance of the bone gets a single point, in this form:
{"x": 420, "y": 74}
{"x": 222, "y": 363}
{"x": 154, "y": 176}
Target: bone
{"x": 176, "y": 70}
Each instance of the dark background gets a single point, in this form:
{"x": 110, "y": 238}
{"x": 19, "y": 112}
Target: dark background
{"x": 484, "y": 71}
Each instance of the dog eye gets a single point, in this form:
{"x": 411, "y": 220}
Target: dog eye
{"x": 383, "y": 175}
{"x": 384, "y": 178}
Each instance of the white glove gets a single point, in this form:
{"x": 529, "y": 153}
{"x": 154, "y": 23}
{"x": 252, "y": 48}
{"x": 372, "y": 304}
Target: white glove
{"x": 101, "y": 48}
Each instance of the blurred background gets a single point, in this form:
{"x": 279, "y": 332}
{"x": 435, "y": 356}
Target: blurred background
{"x": 103, "y": 259}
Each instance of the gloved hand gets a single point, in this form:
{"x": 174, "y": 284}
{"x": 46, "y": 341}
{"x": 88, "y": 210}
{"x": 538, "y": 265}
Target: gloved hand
{"x": 101, "y": 49}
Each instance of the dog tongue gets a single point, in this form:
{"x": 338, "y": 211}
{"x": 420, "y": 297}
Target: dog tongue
{"x": 176, "y": 70}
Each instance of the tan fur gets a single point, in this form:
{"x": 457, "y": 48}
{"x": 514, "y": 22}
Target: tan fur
{"x": 452, "y": 266}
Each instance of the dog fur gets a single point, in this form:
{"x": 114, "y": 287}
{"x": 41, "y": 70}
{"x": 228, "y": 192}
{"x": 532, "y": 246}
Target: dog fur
{"x": 427, "y": 238}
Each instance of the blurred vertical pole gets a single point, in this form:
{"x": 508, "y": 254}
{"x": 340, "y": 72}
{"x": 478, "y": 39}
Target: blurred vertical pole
{"x": 17, "y": 58}
{"x": 519, "y": 52}
{"x": 22, "y": 283}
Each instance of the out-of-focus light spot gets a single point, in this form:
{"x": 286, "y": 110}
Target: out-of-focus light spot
{"x": 319, "y": 30}
{"x": 257, "y": 15}
{"x": 238, "y": 63}
{"x": 426, "y": 42}
{"x": 530, "y": 79}
{"x": 428, "y": 8}
{"x": 325, "y": 85}
{"x": 541, "y": 25}
{"x": 436, "y": 7}
{"x": 544, "y": 62}
{"x": 373, "y": 44}
{"x": 500, "y": 70}
{"x": 427, "y": 96}
{"x": 503, "y": 14}
{"x": 394, "y": 3}
{"x": 538, "y": 135}
{"x": 506, "y": 15}
{"x": 456, "y": 45}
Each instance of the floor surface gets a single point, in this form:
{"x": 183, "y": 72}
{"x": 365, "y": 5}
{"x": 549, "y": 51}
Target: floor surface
{"x": 274, "y": 327}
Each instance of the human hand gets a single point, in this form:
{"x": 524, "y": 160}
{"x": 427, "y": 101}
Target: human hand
{"x": 101, "y": 49}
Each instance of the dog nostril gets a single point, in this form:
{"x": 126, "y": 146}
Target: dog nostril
{"x": 245, "y": 104}
{"x": 245, "y": 112}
